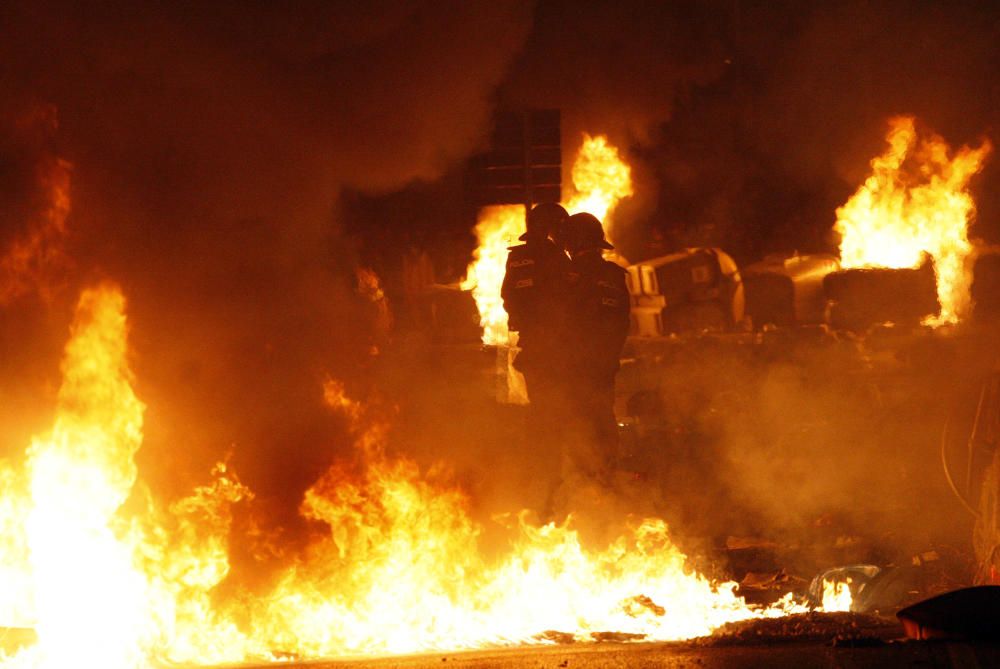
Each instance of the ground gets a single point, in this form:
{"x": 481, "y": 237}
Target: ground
{"x": 823, "y": 641}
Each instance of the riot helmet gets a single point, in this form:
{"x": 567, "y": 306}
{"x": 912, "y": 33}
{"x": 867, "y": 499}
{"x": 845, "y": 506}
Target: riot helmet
{"x": 543, "y": 220}
{"x": 583, "y": 232}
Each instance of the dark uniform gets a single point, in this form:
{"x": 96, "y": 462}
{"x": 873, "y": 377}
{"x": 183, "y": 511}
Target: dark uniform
{"x": 534, "y": 295}
{"x": 600, "y": 314}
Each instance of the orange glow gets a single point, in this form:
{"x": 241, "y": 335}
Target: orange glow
{"x": 837, "y": 595}
{"x": 30, "y": 259}
{"x": 400, "y": 569}
{"x": 916, "y": 201}
{"x": 497, "y": 230}
{"x": 600, "y": 180}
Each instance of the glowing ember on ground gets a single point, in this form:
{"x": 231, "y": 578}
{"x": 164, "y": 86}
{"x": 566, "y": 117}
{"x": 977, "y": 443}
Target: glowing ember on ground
{"x": 600, "y": 180}
{"x": 915, "y": 202}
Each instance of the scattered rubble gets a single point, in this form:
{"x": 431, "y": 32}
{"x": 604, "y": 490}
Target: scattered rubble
{"x": 806, "y": 627}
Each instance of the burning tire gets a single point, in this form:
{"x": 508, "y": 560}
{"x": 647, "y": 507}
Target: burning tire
{"x": 860, "y": 298}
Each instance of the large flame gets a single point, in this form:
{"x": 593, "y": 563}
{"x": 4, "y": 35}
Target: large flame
{"x": 102, "y": 587}
{"x": 497, "y": 229}
{"x": 88, "y": 596}
{"x": 916, "y": 201}
{"x": 119, "y": 581}
{"x": 400, "y": 569}
{"x": 600, "y": 180}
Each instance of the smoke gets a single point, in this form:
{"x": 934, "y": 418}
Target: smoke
{"x": 620, "y": 69}
{"x": 760, "y": 160}
{"x": 210, "y": 143}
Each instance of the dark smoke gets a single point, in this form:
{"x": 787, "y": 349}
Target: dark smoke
{"x": 222, "y": 149}
{"x": 210, "y": 142}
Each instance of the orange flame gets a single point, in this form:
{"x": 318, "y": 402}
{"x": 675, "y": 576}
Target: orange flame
{"x": 915, "y": 202}
{"x": 400, "y": 569}
{"x": 600, "y": 180}
{"x": 837, "y": 595}
{"x": 497, "y": 229}
{"x": 88, "y": 596}
{"x": 102, "y": 587}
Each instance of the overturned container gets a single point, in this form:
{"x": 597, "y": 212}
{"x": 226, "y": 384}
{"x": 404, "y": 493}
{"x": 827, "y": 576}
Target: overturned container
{"x": 860, "y": 298}
{"x": 788, "y": 290}
{"x": 694, "y": 290}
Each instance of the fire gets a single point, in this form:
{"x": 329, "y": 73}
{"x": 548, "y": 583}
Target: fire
{"x": 837, "y": 595}
{"x": 119, "y": 581}
{"x": 102, "y": 587}
{"x": 88, "y": 596}
{"x": 497, "y": 229}
{"x": 600, "y": 180}
{"x": 916, "y": 202}
{"x": 400, "y": 569}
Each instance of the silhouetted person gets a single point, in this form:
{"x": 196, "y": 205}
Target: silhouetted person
{"x": 534, "y": 295}
{"x": 598, "y": 318}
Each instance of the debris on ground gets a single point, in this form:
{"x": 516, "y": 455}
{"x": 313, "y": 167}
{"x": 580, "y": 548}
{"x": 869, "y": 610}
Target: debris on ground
{"x": 804, "y": 627}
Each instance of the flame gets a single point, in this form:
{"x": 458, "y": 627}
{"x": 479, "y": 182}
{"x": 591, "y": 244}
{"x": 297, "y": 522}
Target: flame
{"x": 400, "y": 569}
{"x": 837, "y": 595}
{"x": 118, "y": 580}
{"x": 88, "y": 596}
{"x": 100, "y": 586}
{"x": 497, "y": 229}
{"x": 915, "y": 202}
{"x": 600, "y": 180}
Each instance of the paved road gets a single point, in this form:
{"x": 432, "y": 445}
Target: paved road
{"x": 922, "y": 655}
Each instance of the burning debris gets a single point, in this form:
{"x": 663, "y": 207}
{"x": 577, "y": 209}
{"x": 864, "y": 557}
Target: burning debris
{"x": 916, "y": 202}
{"x": 399, "y": 569}
{"x": 396, "y": 563}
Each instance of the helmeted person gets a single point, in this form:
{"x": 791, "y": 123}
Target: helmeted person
{"x": 534, "y": 295}
{"x": 598, "y": 313}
